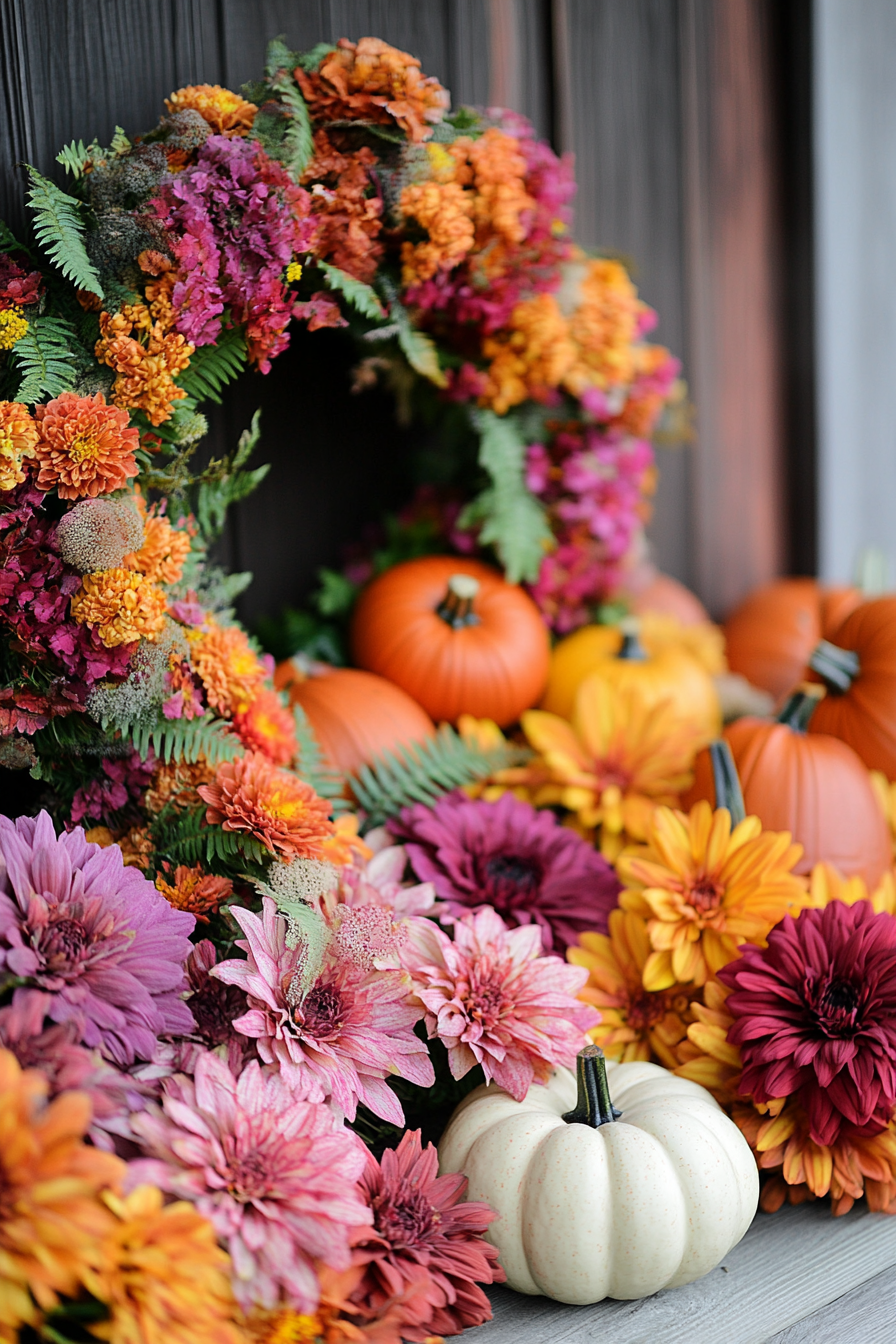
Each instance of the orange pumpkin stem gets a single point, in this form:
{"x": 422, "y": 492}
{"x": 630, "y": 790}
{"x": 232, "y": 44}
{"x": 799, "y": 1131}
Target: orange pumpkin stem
{"x": 838, "y": 668}
{"x": 726, "y": 780}
{"x": 456, "y": 607}
{"x": 593, "y": 1105}
{"x": 631, "y": 649}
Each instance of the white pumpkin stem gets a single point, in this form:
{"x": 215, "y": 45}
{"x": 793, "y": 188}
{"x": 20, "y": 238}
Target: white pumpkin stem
{"x": 593, "y": 1105}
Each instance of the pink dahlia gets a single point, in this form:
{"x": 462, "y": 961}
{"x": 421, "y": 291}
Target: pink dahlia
{"x": 423, "y": 1233}
{"x": 276, "y": 1177}
{"x": 815, "y": 1015}
{"x": 493, "y": 999}
{"x": 96, "y": 936}
{"x": 520, "y": 861}
{"x": 347, "y": 1034}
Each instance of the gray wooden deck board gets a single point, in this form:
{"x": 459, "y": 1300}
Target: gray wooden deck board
{"x": 788, "y": 1268}
{"x": 867, "y": 1315}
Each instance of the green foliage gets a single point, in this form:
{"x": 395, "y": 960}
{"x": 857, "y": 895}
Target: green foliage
{"x": 59, "y": 228}
{"x": 186, "y": 740}
{"x": 362, "y": 297}
{"x": 185, "y": 837}
{"x": 9, "y": 242}
{"x": 298, "y": 140}
{"x": 310, "y": 60}
{"x": 313, "y": 767}
{"x": 45, "y": 360}
{"x": 212, "y": 367}
{"x": 74, "y": 158}
{"x": 425, "y": 771}
{"x": 306, "y": 930}
{"x": 229, "y": 483}
{"x": 512, "y": 519}
{"x": 420, "y": 350}
{"x": 336, "y": 594}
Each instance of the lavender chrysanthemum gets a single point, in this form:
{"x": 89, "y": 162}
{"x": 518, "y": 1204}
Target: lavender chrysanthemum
{"x": 517, "y": 860}
{"x": 96, "y": 936}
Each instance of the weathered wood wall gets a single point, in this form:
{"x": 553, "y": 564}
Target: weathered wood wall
{"x": 672, "y": 108}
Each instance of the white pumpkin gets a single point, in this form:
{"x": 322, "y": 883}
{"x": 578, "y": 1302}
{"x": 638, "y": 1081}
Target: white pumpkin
{"x": 591, "y": 1206}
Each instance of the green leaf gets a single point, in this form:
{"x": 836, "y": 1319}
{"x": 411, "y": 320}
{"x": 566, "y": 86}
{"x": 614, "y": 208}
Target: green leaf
{"x": 212, "y": 367}
{"x": 186, "y": 740}
{"x": 45, "y": 359}
{"x": 9, "y": 242}
{"x": 312, "y": 766}
{"x": 298, "y": 142}
{"x": 336, "y": 594}
{"x": 278, "y": 57}
{"x": 230, "y": 484}
{"x": 360, "y": 296}
{"x": 310, "y": 60}
{"x": 59, "y": 228}
{"x": 511, "y": 518}
{"x": 74, "y": 157}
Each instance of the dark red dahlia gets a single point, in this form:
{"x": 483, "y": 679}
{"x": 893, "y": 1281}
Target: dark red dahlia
{"x": 815, "y": 1015}
{"x": 520, "y": 861}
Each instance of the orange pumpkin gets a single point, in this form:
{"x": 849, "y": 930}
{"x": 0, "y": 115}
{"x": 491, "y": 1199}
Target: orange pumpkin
{"x": 669, "y": 673}
{"x": 666, "y": 595}
{"x": 355, "y": 715}
{"x": 770, "y": 636}
{"x": 454, "y": 635}
{"x": 858, "y": 666}
{"x": 809, "y": 784}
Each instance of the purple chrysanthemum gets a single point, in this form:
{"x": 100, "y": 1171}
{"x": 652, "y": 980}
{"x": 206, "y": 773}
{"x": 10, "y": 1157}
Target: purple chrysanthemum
{"x": 96, "y": 936}
{"x": 517, "y": 860}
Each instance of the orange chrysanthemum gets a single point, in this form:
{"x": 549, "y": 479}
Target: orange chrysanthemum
{"x": 530, "y": 357}
{"x": 195, "y": 891}
{"x": 603, "y": 324}
{"x": 175, "y": 783}
{"x": 146, "y": 372}
{"x": 635, "y": 1023}
{"x": 615, "y": 761}
{"x": 163, "y": 1278}
{"x": 704, "y": 889}
{"x": 707, "y": 1056}
{"x": 345, "y": 845}
{"x": 18, "y": 439}
{"x": 85, "y": 447}
{"x": 51, "y": 1217}
{"x": 227, "y": 113}
{"x": 371, "y": 81}
{"x": 283, "y": 812}
{"x": 282, "y": 1325}
{"x": 161, "y": 557}
{"x": 266, "y": 725}
{"x": 121, "y": 605}
{"x": 445, "y": 211}
{"x": 228, "y": 666}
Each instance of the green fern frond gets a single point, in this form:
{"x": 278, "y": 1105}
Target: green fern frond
{"x": 298, "y": 141}
{"x": 186, "y": 837}
{"x": 9, "y": 242}
{"x": 511, "y": 518}
{"x": 59, "y": 228}
{"x": 360, "y": 296}
{"x": 212, "y": 367}
{"x": 310, "y": 60}
{"x": 230, "y": 483}
{"x": 45, "y": 359}
{"x": 74, "y": 158}
{"x": 419, "y": 350}
{"x": 313, "y": 767}
{"x": 425, "y": 771}
{"x": 186, "y": 740}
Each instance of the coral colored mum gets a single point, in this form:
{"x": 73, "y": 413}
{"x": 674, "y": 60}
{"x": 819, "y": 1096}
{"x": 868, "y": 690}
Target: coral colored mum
{"x": 121, "y": 606}
{"x": 284, "y": 813}
{"x": 229, "y": 668}
{"x": 18, "y": 440}
{"x": 266, "y": 725}
{"x": 227, "y": 113}
{"x": 194, "y": 890}
{"x": 273, "y": 1174}
{"x": 494, "y": 1000}
{"x": 85, "y": 446}
{"x": 375, "y": 82}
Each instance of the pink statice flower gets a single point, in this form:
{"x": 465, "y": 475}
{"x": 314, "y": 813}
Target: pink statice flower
{"x": 96, "y": 936}
{"x": 121, "y": 781}
{"x": 492, "y": 999}
{"x": 275, "y": 1176}
{"x": 348, "y": 1032}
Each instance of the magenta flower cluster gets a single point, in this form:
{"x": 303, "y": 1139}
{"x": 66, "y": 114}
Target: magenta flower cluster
{"x": 119, "y": 782}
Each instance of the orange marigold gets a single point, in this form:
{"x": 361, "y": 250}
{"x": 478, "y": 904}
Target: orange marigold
{"x": 146, "y": 373}
{"x": 195, "y": 891}
{"x": 51, "y": 1217}
{"x": 444, "y": 210}
{"x": 283, "y": 812}
{"x": 123, "y": 606}
{"x": 529, "y": 358}
{"x": 135, "y": 844}
{"x": 228, "y": 666}
{"x": 227, "y": 113}
{"x": 371, "y": 81}
{"x": 603, "y": 323}
{"x": 175, "y": 783}
{"x": 495, "y": 168}
{"x": 161, "y": 557}
{"x": 85, "y": 447}
{"x": 18, "y": 439}
{"x": 266, "y": 725}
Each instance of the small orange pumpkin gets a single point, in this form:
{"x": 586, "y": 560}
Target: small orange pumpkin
{"x": 811, "y": 785}
{"x": 770, "y": 636}
{"x": 858, "y": 667}
{"x": 456, "y": 636}
{"x": 356, "y": 716}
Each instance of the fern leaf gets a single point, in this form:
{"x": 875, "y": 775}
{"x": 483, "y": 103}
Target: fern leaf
{"x": 212, "y": 367}
{"x": 360, "y": 296}
{"x": 9, "y": 242}
{"x": 232, "y": 483}
{"x": 45, "y": 359}
{"x": 310, "y": 60}
{"x": 512, "y": 519}
{"x": 186, "y": 740}
{"x": 422, "y": 773}
{"x": 298, "y": 142}
{"x": 59, "y": 228}
{"x": 419, "y": 349}
{"x": 74, "y": 158}
{"x": 312, "y": 766}
{"x": 278, "y": 57}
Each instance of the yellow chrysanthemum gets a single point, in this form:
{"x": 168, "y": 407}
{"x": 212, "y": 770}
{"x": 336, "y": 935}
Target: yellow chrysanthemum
{"x": 704, "y": 889}
{"x": 227, "y": 113}
{"x": 121, "y": 605}
{"x": 706, "y": 1056}
{"x": 18, "y": 438}
{"x": 523, "y": 781}
{"x": 228, "y": 666}
{"x": 634, "y": 1022}
{"x": 13, "y": 326}
{"x": 615, "y": 761}
{"x": 282, "y": 1325}
{"x": 826, "y": 885}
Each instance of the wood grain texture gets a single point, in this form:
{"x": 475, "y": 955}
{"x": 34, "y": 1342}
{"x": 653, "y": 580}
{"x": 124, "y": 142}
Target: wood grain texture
{"x": 787, "y": 1268}
{"x": 867, "y": 1315}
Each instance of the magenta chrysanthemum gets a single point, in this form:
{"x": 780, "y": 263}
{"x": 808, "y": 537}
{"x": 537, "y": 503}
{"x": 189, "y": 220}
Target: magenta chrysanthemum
{"x": 493, "y": 999}
{"x": 815, "y": 1016}
{"x": 422, "y": 1231}
{"x": 275, "y": 1176}
{"x": 507, "y": 855}
{"x": 96, "y": 936}
{"x": 347, "y": 1034}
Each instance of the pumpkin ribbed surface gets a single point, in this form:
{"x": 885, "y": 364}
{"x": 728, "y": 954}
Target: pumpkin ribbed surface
{"x": 865, "y": 715}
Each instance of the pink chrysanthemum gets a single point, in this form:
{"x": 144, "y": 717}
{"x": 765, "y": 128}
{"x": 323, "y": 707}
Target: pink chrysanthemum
{"x": 815, "y": 1015}
{"x": 275, "y": 1176}
{"x": 347, "y": 1034}
{"x": 421, "y": 1231}
{"x": 95, "y": 935}
{"x": 493, "y": 999}
{"x": 378, "y": 881}
{"x": 522, "y": 863}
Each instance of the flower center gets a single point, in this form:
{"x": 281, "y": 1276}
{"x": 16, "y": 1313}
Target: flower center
{"x": 510, "y": 880}
{"x": 322, "y": 1014}
{"x": 63, "y": 943}
{"x": 84, "y": 447}
{"x": 484, "y": 1003}
{"x": 404, "y": 1218}
{"x": 704, "y": 894}
{"x": 644, "y": 1009}
{"x": 214, "y": 1007}
{"x": 249, "y": 1178}
{"x": 836, "y": 1006}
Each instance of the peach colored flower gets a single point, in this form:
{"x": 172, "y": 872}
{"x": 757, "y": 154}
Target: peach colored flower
{"x": 18, "y": 438}
{"x": 227, "y": 113}
{"x": 195, "y": 891}
{"x": 371, "y": 81}
{"x": 283, "y": 812}
{"x": 146, "y": 372}
{"x": 161, "y": 557}
{"x": 530, "y": 357}
{"x": 444, "y": 210}
{"x": 85, "y": 447}
{"x": 345, "y": 846}
{"x": 266, "y": 725}
{"x": 826, "y": 885}
{"x": 121, "y": 605}
{"x": 135, "y": 844}
{"x": 228, "y": 666}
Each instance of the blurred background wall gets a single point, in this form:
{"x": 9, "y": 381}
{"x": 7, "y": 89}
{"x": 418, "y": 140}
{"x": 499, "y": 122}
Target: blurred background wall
{"x": 691, "y": 122}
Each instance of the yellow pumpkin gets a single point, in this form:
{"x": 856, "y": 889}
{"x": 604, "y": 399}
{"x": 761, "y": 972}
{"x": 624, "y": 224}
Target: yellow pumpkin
{"x": 669, "y": 672}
